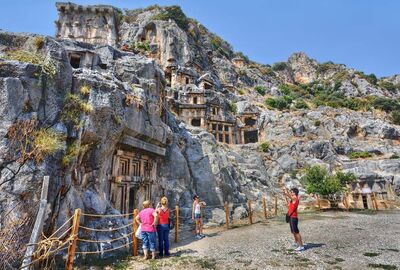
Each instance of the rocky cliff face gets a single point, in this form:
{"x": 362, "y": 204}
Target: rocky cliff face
{"x": 117, "y": 102}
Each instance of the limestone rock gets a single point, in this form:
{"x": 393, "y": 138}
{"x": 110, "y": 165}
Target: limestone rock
{"x": 239, "y": 213}
{"x": 218, "y": 216}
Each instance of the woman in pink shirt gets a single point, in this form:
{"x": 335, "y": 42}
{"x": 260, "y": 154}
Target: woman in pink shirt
{"x": 147, "y": 218}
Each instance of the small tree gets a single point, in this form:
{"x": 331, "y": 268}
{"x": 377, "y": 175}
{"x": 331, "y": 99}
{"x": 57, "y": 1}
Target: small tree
{"x": 318, "y": 181}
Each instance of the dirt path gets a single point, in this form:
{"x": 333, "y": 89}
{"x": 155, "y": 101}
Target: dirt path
{"x": 335, "y": 240}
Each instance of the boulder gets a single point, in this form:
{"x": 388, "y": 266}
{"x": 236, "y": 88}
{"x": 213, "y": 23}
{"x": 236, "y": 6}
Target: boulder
{"x": 218, "y": 216}
{"x": 239, "y": 213}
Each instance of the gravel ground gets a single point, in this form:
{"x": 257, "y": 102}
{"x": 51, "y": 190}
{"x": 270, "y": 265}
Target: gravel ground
{"x": 334, "y": 240}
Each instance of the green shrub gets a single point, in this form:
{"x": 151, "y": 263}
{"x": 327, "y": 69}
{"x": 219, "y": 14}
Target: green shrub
{"x": 260, "y": 89}
{"x": 371, "y": 78}
{"x": 240, "y": 54}
{"x": 152, "y": 7}
{"x": 265, "y": 70}
{"x": 174, "y": 13}
{"x": 301, "y": 104}
{"x": 216, "y": 42}
{"x": 232, "y": 107}
{"x": 317, "y": 181}
{"x": 395, "y": 117}
{"x": 264, "y": 146}
{"x": 386, "y": 104}
{"x": 387, "y": 85}
{"x": 46, "y": 142}
{"x": 279, "y": 66}
{"x": 28, "y": 142}
{"x": 293, "y": 174}
{"x": 72, "y": 152}
{"x": 394, "y": 156}
{"x": 345, "y": 178}
{"x": 356, "y": 155}
{"x": 317, "y": 123}
{"x": 223, "y": 52}
{"x": 120, "y": 16}
{"x": 72, "y": 109}
{"x": 325, "y": 67}
{"x": 46, "y": 66}
{"x": 296, "y": 91}
{"x": 341, "y": 76}
{"x": 141, "y": 46}
{"x": 278, "y": 103}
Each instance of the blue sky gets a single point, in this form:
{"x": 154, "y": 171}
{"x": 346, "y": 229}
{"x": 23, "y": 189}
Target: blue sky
{"x": 363, "y": 34}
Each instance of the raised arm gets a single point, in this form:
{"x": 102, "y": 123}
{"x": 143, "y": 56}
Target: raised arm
{"x": 286, "y": 194}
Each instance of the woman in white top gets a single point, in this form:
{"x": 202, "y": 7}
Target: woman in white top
{"x": 196, "y": 216}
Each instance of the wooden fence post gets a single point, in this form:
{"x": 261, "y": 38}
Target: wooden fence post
{"x": 346, "y": 198}
{"x": 318, "y": 202}
{"x": 134, "y": 228}
{"x": 276, "y": 205}
{"x": 250, "y": 212}
{"x": 74, "y": 235}
{"x": 227, "y": 215}
{"x": 264, "y": 200}
{"x": 176, "y": 223}
{"x": 375, "y": 201}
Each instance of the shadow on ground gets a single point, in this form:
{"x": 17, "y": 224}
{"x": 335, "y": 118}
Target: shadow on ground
{"x": 313, "y": 245}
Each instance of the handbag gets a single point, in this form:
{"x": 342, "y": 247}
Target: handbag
{"x": 138, "y": 232}
{"x": 288, "y": 217}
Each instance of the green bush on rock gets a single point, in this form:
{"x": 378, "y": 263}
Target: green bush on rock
{"x": 264, "y": 146}
{"x": 260, "y": 89}
{"x": 356, "y": 155}
{"x": 278, "y": 103}
{"x": 72, "y": 109}
{"x": 279, "y": 66}
{"x": 174, "y": 13}
{"x": 46, "y": 66}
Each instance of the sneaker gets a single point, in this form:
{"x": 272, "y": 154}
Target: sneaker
{"x": 299, "y": 249}
{"x": 202, "y": 235}
{"x": 198, "y": 236}
{"x": 295, "y": 245}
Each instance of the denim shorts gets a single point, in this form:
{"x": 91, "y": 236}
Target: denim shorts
{"x": 197, "y": 215}
{"x": 149, "y": 240}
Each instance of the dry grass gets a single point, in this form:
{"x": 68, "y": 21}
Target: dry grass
{"x": 14, "y": 235}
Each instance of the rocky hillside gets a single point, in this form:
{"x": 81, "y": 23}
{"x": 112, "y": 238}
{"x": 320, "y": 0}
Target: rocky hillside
{"x": 68, "y": 122}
